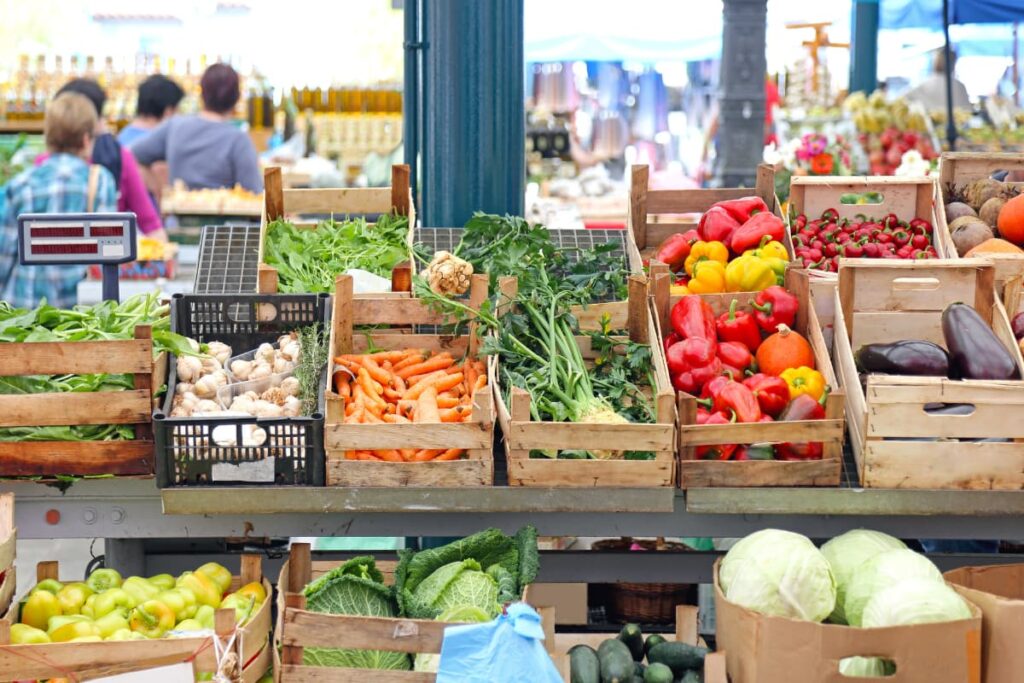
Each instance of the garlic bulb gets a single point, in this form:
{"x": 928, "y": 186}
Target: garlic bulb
{"x": 241, "y": 369}
{"x": 267, "y": 409}
{"x": 290, "y": 386}
{"x": 292, "y": 407}
{"x": 194, "y": 344}
{"x": 182, "y": 388}
{"x": 266, "y": 352}
{"x": 281, "y": 364}
{"x": 261, "y": 371}
{"x": 189, "y": 368}
{"x": 181, "y": 411}
{"x": 206, "y": 406}
{"x": 243, "y": 404}
{"x": 274, "y": 395}
{"x": 220, "y": 351}
{"x": 207, "y": 386}
{"x": 210, "y": 365}
{"x": 291, "y": 350}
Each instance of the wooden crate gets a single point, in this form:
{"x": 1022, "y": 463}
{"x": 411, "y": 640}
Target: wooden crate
{"x": 8, "y": 546}
{"x": 686, "y": 632}
{"x": 694, "y": 473}
{"x": 106, "y": 658}
{"x": 522, "y": 434}
{"x": 895, "y": 442}
{"x": 961, "y": 168}
{"x": 670, "y": 207}
{"x": 906, "y": 197}
{"x": 135, "y": 407}
{"x": 297, "y": 628}
{"x": 341, "y": 202}
{"x": 476, "y": 436}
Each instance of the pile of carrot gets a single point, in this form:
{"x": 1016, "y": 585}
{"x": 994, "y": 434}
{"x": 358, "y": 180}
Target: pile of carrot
{"x": 408, "y": 386}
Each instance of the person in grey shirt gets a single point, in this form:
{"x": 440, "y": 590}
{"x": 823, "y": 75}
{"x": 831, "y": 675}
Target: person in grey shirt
{"x": 205, "y": 150}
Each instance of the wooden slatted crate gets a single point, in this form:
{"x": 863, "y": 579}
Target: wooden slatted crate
{"x": 896, "y": 442}
{"x": 522, "y": 434}
{"x": 694, "y": 473}
{"x": 107, "y": 658}
{"x": 960, "y": 169}
{"x": 8, "y": 546}
{"x": 672, "y": 209}
{"x": 297, "y": 628}
{"x": 134, "y": 407}
{"x": 339, "y": 202}
{"x": 476, "y": 436}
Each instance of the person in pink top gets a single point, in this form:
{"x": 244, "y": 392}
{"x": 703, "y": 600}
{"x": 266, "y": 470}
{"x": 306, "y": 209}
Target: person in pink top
{"x": 119, "y": 160}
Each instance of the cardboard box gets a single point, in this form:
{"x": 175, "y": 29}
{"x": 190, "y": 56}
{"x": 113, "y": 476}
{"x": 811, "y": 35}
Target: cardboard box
{"x": 999, "y": 592}
{"x": 568, "y": 599}
{"x": 762, "y": 649}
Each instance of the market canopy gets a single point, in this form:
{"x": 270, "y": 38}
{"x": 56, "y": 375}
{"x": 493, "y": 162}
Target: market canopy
{"x": 928, "y": 13}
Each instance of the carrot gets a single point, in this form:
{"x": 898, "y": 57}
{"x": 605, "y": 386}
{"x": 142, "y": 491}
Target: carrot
{"x": 389, "y": 356}
{"x": 394, "y": 418}
{"x": 416, "y": 379}
{"x": 351, "y": 455}
{"x": 471, "y": 374}
{"x": 441, "y": 383}
{"x": 413, "y": 358}
{"x": 425, "y": 455}
{"x": 407, "y": 453}
{"x": 367, "y": 455}
{"x": 389, "y": 455}
{"x": 426, "y": 407}
{"x": 370, "y": 417}
{"x": 341, "y": 384}
{"x": 369, "y": 387}
{"x": 399, "y": 383}
{"x": 439, "y": 362}
{"x": 451, "y": 454}
{"x": 377, "y": 372}
{"x": 452, "y": 415}
{"x": 444, "y": 402}
{"x": 392, "y": 395}
{"x": 481, "y": 382}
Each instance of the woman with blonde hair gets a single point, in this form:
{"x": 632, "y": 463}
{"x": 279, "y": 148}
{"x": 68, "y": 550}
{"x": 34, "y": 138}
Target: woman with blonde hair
{"x": 64, "y": 183}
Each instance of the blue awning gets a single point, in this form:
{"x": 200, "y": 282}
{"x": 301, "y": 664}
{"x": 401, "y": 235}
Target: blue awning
{"x": 928, "y": 13}
{"x": 987, "y": 11}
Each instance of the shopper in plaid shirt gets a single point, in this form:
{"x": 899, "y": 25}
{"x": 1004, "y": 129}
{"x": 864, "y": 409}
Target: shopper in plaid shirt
{"x": 64, "y": 183}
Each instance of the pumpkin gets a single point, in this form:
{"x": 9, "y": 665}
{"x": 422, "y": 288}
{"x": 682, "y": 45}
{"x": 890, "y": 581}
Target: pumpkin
{"x": 783, "y": 350}
{"x": 994, "y": 246}
{"x": 1011, "y": 220}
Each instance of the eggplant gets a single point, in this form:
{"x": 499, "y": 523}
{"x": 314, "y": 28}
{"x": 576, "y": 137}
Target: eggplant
{"x": 909, "y": 357}
{"x": 975, "y": 351}
{"x": 1018, "y": 326}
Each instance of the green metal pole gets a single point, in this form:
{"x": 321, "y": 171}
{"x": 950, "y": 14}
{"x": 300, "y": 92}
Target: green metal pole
{"x": 864, "y": 46}
{"x": 473, "y": 134}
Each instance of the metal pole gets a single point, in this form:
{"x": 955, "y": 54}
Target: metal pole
{"x": 111, "y": 289}
{"x": 864, "y": 46}
{"x": 473, "y": 156}
{"x": 948, "y": 52}
{"x": 410, "y": 96}
{"x": 741, "y": 110}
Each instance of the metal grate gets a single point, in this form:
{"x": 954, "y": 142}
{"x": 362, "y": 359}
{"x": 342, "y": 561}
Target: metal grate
{"x": 228, "y": 259}
{"x": 447, "y": 238}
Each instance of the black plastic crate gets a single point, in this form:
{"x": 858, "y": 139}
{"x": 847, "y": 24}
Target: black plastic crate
{"x": 186, "y": 450}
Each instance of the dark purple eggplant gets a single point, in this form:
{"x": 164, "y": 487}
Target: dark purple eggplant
{"x": 975, "y": 351}
{"x": 1018, "y": 326}
{"x": 909, "y": 357}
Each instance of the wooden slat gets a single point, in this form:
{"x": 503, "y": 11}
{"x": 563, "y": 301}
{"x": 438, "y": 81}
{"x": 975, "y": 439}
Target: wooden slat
{"x": 105, "y": 407}
{"x": 400, "y": 190}
{"x": 85, "y": 357}
{"x": 391, "y": 341}
{"x": 591, "y": 317}
{"x": 691, "y": 201}
{"x": 944, "y": 465}
{"x": 591, "y": 473}
{"x": 273, "y": 194}
{"x": 310, "y": 629}
{"x": 291, "y": 673}
{"x": 758, "y": 432}
{"x": 27, "y": 459}
{"x": 454, "y": 473}
{"x": 393, "y": 311}
{"x": 704, "y": 473}
{"x": 8, "y": 535}
{"x": 597, "y": 436}
{"x": 386, "y": 436}
{"x": 637, "y": 223}
{"x": 340, "y": 202}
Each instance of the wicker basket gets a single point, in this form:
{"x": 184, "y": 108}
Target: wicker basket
{"x": 643, "y": 603}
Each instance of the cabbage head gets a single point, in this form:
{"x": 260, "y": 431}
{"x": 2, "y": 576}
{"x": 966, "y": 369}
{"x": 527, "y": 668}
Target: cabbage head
{"x": 846, "y": 553}
{"x": 457, "y": 615}
{"x": 866, "y": 667}
{"x": 882, "y": 571}
{"x": 914, "y": 601}
{"x": 780, "y": 574}
{"x": 357, "y": 588}
{"x": 459, "y": 584}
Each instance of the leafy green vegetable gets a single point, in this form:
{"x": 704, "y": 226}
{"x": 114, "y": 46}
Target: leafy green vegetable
{"x": 357, "y": 588}
{"x": 308, "y": 260}
{"x": 312, "y": 360}
{"x": 482, "y": 570}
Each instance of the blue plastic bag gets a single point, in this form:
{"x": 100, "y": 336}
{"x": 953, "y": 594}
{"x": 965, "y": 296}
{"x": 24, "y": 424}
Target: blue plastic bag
{"x": 506, "y": 650}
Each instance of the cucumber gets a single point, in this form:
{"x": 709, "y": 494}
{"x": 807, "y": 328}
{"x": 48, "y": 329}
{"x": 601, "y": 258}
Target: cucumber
{"x": 639, "y": 668}
{"x": 658, "y": 673}
{"x": 652, "y": 640}
{"x": 679, "y": 657}
{"x": 616, "y": 662}
{"x": 584, "y": 666}
{"x": 692, "y": 676}
{"x": 634, "y": 640}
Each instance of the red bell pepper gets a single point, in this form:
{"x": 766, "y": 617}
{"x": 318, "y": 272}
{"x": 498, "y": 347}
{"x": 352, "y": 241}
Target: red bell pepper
{"x": 775, "y": 306}
{"x": 772, "y": 393}
{"x": 710, "y": 394}
{"x": 735, "y": 355}
{"x": 740, "y": 400}
{"x": 717, "y": 451}
{"x": 739, "y": 326}
{"x": 755, "y": 451}
{"x": 743, "y": 208}
{"x": 702, "y": 416}
{"x": 803, "y": 407}
{"x": 692, "y": 317}
{"x": 692, "y": 363}
{"x": 674, "y": 250}
{"x": 671, "y": 339}
{"x": 717, "y": 225}
{"x": 760, "y": 225}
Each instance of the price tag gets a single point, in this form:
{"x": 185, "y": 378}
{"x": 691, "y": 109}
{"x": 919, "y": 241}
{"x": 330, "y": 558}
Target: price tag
{"x": 86, "y": 238}
{"x": 175, "y": 673}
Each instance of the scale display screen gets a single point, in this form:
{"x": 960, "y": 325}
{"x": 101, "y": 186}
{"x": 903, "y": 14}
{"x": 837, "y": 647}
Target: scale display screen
{"x": 70, "y": 239}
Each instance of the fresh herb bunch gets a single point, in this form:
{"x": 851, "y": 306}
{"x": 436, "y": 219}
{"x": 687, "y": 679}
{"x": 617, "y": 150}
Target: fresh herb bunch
{"x": 312, "y": 359}
{"x": 308, "y": 261}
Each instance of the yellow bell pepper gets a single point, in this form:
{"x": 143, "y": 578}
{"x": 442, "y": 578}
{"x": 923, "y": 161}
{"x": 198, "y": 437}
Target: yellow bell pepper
{"x": 679, "y": 290}
{"x": 242, "y": 604}
{"x": 206, "y": 591}
{"x": 748, "y": 273}
{"x": 705, "y": 251}
{"x": 140, "y": 589}
{"x": 773, "y": 249}
{"x": 804, "y": 380}
{"x": 72, "y": 597}
{"x": 254, "y": 589}
{"x": 23, "y": 634}
{"x": 39, "y": 608}
{"x": 220, "y": 575}
{"x": 152, "y": 619}
{"x": 112, "y": 622}
{"x": 181, "y": 600}
{"x": 74, "y": 629}
{"x": 164, "y": 582}
{"x": 708, "y": 278}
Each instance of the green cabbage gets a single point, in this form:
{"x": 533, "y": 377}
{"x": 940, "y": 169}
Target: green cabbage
{"x": 914, "y": 601}
{"x": 882, "y": 571}
{"x": 849, "y": 551}
{"x": 485, "y": 570}
{"x": 456, "y": 615}
{"x": 866, "y": 667}
{"x": 356, "y": 587}
{"x": 779, "y": 573}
